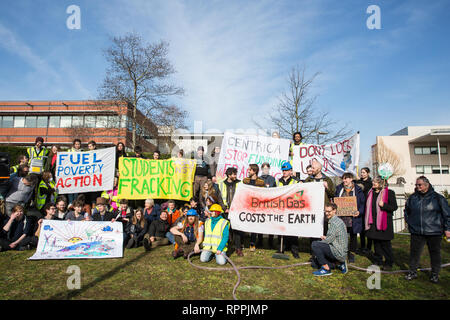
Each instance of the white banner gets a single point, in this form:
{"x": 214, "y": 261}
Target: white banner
{"x": 240, "y": 151}
{"x": 293, "y": 210}
{"x": 336, "y": 158}
{"x": 88, "y": 171}
{"x": 79, "y": 240}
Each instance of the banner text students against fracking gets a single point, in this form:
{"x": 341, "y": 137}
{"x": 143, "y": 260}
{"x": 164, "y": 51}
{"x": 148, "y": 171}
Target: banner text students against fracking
{"x": 293, "y": 210}
{"x": 240, "y": 151}
{"x": 78, "y": 172}
{"x": 157, "y": 179}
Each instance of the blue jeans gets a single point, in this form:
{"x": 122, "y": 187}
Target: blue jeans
{"x": 207, "y": 255}
{"x": 171, "y": 237}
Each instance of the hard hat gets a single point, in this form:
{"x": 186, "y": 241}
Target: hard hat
{"x": 191, "y": 212}
{"x": 216, "y": 207}
{"x": 286, "y": 166}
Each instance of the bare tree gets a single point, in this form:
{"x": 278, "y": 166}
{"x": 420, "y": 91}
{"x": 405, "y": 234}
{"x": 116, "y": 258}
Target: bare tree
{"x": 138, "y": 74}
{"x": 385, "y": 154}
{"x": 296, "y": 112}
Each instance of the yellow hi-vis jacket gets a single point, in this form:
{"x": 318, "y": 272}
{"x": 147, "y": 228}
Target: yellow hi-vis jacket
{"x": 41, "y": 198}
{"x": 213, "y": 237}
{"x": 280, "y": 183}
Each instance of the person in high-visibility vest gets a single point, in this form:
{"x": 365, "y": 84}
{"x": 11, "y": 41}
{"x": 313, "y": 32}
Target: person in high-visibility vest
{"x": 216, "y": 236}
{"x": 23, "y": 159}
{"x": 37, "y": 156}
{"x": 46, "y": 191}
{"x": 285, "y": 180}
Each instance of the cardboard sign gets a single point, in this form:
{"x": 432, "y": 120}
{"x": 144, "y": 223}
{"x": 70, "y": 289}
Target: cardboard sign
{"x": 293, "y": 210}
{"x": 346, "y": 206}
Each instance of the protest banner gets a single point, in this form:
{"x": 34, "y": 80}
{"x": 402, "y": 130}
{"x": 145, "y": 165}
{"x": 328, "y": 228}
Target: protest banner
{"x": 156, "y": 179}
{"x": 293, "y": 210}
{"x": 240, "y": 151}
{"x": 346, "y": 206}
{"x": 78, "y": 172}
{"x": 79, "y": 240}
{"x": 336, "y": 158}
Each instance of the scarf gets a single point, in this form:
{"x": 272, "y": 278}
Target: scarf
{"x": 381, "y": 223}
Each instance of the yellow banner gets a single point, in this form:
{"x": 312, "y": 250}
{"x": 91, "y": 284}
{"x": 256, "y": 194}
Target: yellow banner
{"x": 156, "y": 179}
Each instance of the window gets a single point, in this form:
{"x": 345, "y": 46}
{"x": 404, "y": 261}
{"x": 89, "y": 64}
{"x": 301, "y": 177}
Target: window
{"x": 8, "y": 122}
{"x": 89, "y": 121}
{"x": 102, "y": 122}
{"x": 113, "y": 121}
{"x": 419, "y": 170}
{"x": 30, "y": 122}
{"x": 66, "y": 121}
{"x": 123, "y": 121}
{"x": 77, "y": 121}
{"x": 54, "y": 122}
{"x": 427, "y": 169}
{"x": 42, "y": 122}
{"x": 19, "y": 122}
{"x": 429, "y": 150}
{"x": 437, "y": 170}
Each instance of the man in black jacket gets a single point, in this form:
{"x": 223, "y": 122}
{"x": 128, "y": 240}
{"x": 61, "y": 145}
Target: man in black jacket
{"x": 103, "y": 214}
{"x": 428, "y": 216}
{"x": 156, "y": 235}
{"x": 202, "y": 171}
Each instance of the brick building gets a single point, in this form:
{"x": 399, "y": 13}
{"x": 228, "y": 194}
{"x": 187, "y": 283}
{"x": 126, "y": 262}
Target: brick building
{"x": 60, "y": 122}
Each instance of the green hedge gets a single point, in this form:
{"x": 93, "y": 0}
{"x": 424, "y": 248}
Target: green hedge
{"x": 14, "y": 153}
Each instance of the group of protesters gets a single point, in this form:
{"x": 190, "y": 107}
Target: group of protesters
{"x": 202, "y": 224}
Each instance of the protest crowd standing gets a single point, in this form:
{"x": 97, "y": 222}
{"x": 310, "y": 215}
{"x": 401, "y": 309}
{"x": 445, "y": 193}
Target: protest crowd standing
{"x": 203, "y": 223}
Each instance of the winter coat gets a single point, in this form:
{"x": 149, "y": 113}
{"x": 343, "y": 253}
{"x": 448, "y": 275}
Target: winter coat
{"x": 427, "y": 214}
{"x": 136, "y": 229}
{"x": 153, "y": 215}
{"x": 269, "y": 180}
{"x": 159, "y": 228}
{"x": 366, "y": 185}
{"x": 358, "y": 222}
{"x": 389, "y": 207}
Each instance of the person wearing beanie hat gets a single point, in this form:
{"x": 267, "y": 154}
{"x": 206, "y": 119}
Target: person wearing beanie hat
{"x": 37, "y": 156}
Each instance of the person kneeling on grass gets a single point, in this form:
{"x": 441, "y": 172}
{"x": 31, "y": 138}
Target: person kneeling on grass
{"x": 188, "y": 235}
{"x": 216, "y": 236}
{"x": 158, "y": 233}
{"x": 333, "y": 247}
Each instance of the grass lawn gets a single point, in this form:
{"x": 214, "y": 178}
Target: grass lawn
{"x": 156, "y": 275}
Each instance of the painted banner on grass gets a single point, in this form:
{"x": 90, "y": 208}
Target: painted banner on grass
{"x": 79, "y": 240}
{"x": 240, "y": 151}
{"x": 78, "y": 172}
{"x": 336, "y": 158}
{"x": 294, "y": 210}
{"x": 156, "y": 179}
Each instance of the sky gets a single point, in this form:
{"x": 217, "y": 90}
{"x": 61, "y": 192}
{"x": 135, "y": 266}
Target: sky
{"x": 233, "y": 57}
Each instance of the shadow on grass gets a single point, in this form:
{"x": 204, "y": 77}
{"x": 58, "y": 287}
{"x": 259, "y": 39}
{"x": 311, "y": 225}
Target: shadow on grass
{"x": 74, "y": 293}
